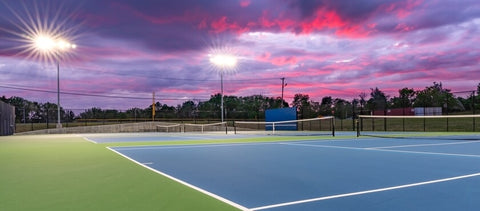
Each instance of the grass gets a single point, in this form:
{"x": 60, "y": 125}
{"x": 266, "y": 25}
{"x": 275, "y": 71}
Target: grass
{"x": 68, "y": 173}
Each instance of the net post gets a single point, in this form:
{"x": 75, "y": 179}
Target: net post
{"x": 333, "y": 126}
{"x": 273, "y": 128}
{"x": 357, "y": 123}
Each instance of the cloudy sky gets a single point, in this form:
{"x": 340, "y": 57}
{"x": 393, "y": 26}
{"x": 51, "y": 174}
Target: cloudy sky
{"x": 127, "y": 49}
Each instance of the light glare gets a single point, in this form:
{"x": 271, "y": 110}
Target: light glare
{"x": 44, "y": 43}
{"x": 224, "y": 61}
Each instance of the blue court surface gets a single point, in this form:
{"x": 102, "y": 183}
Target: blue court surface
{"x": 340, "y": 174}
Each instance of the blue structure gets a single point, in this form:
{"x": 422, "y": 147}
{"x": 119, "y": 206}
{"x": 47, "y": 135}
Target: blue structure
{"x": 281, "y": 114}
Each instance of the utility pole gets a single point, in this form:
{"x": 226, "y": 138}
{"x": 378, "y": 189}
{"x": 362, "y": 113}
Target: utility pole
{"x": 283, "y": 87}
{"x": 153, "y": 106}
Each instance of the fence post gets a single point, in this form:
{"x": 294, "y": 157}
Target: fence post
{"x": 358, "y": 127}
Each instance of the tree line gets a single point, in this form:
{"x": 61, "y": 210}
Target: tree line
{"x": 253, "y": 107}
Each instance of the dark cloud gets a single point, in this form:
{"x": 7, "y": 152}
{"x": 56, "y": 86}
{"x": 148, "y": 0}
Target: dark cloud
{"x": 140, "y": 46}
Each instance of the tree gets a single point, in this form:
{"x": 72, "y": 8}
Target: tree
{"x": 437, "y": 96}
{"x": 276, "y": 103}
{"x": 342, "y": 108}
{"x": 326, "y": 106}
{"x": 302, "y": 102}
{"x": 135, "y": 113}
{"x": 405, "y": 98}
{"x": 254, "y": 106}
{"x": 232, "y": 105}
{"x": 363, "y": 101}
{"x": 24, "y": 109}
{"x": 378, "y": 100}
{"x": 355, "y": 103}
{"x": 478, "y": 89}
{"x": 187, "y": 110}
{"x": 476, "y": 99}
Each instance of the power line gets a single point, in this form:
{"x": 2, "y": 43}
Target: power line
{"x": 91, "y": 95}
{"x": 185, "y": 79}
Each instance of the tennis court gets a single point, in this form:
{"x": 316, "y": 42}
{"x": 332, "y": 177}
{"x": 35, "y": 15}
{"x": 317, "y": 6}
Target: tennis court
{"x": 341, "y": 173}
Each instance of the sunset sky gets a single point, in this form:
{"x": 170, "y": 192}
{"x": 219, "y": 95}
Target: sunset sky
{"x": 338, "y": 48}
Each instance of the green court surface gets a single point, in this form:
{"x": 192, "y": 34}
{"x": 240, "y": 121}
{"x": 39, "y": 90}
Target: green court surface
{"x": 66, "y": 172}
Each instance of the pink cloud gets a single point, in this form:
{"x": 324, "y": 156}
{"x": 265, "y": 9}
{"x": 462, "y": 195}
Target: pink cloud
{"x": 222, "y": 24}
{"x": 401, "y": 9}
{"x": 278, "y": 61}
{"x": 285, "y": 24}
{"x": 323, "y": 19}
{"x": 245, "y": 3}
{"x": 284, "y": 60}
{"x": 264, "y": 57}
{"x": 403, "y": 27}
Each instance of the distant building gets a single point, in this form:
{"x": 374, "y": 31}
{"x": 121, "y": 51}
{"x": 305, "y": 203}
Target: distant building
{"x": 7, "y": 119}
{"x": 428, "y": 111}
{"x": 396, "y": 112}
{"x": 418, "y": 111}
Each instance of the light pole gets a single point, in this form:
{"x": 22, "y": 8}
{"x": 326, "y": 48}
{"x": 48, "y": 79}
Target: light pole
{"x": 53, "y": 47}
{"x": 223, "y": 62}
{"x": 221, "y": 92}
{"x": 283, "y": 87}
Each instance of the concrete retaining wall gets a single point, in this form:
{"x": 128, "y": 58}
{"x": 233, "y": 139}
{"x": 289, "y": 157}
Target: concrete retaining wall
{"x": 118, "y": 128}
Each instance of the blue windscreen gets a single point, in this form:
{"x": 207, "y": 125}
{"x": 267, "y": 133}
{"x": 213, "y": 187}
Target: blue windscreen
{"x": 281, "y": 114}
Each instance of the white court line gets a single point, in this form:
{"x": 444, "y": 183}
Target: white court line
{"x": 90, "y": 140}
{"x": 423, "y": 145}
{"x": 383, "y": 150}
{"x": 364, "y": 192}
{"x": 425, "y": 153}
{"x": 320, "y": 146}
{"x": 184, "y": 183}
{"x": 126, "y": 148}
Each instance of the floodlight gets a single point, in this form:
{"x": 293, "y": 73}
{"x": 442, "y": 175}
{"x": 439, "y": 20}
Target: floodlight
{"x": 44, "y": 43}
{"x": 224, "y": 61}
{"x": 50, "y": 46}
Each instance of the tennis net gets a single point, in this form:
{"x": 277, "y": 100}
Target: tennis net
{"x": 213, "y": 127}
{"x": 171, "y": 128}
{"x": 314, "y": 126}
{"x": 186, "y": 127}
{"x": 453, "y": 126}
